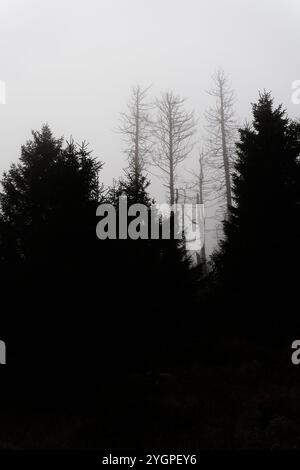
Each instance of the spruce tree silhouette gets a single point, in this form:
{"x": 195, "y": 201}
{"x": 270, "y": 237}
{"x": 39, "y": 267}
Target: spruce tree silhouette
{"x": 258, "y": 260}
{"x": 157, "y": 271}
{"x": 48, "y": 258}
{"x": 129, "y": 256}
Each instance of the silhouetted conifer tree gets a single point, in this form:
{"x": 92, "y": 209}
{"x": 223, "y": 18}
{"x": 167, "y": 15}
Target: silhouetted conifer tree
{"x": 155, "y": 273}
{"x": 47, "y": 218}
{"x": 259, "y": 257}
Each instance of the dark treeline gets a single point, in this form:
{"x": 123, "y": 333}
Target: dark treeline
{"x": 78, "y": 301}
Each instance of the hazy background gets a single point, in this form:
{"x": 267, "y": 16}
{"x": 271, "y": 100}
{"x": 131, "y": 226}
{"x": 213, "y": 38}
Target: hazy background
{"x": 72, "y": 63}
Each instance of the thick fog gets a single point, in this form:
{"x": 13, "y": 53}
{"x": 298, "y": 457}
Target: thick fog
{"x": 72, "y": 63}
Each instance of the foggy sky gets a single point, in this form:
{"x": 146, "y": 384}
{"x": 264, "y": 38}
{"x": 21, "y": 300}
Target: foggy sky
{"x": 72, "y": 63}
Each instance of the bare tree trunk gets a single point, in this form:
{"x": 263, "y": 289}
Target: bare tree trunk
{"x": 136, "y": 129}
{"x": 221, "y": 127}
{"x": 137, "y": 133}
{"x": 173, "y": 131}
{"x": 224, "y": 149}
{"x": 171, "y": 166}
{"x": 200, "y": 201}
{"x": 198, "y": 192}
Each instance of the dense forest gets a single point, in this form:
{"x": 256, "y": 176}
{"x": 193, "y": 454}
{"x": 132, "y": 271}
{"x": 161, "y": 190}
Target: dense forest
{"x": 100, "y": 332}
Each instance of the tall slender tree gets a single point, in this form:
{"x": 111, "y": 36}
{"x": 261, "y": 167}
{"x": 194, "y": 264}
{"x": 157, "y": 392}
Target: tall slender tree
{"x": 260, "y": 252}
{"x": 136, "y": 130}
{"x": 173, "y": 130}
{"x": 200, "y": 192}
{"x": 221, "y": 127}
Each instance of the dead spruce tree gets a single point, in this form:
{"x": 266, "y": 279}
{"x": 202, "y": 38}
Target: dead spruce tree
{"x": 221, "y": 127}
{"x": 135, "y": 128}
{"x": 197, "y": 186}
{"x": 199, "y": 190}
{"x": 173, "y": 131}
